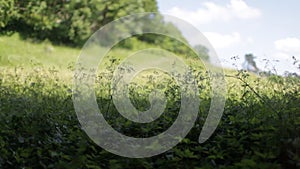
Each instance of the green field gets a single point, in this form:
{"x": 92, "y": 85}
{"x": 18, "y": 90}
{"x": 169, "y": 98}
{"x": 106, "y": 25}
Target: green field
{"x": 260, "y": 127}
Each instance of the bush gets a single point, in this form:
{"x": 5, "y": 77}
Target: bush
{"x": 39, "y": 129}
{"x": 7, "y": 12}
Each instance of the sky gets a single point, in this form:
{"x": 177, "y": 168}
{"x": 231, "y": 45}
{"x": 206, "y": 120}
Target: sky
{"x": 268, "y": 29}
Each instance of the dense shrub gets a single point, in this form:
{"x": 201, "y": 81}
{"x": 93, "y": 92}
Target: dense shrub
{"x": 39, "y": 129}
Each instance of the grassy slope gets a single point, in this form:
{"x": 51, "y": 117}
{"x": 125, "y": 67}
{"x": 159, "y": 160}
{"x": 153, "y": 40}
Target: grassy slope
{"x": 26, "y": 55}
{"x": 17, "y": 52}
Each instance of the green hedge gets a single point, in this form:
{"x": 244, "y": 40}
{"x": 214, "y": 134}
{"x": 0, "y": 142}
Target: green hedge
{"x": 39, "y": 128}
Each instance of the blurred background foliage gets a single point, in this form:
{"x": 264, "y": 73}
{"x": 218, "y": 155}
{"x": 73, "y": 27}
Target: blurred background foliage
{"x": 72, "y": 22}
{"x": 260, "y": 127}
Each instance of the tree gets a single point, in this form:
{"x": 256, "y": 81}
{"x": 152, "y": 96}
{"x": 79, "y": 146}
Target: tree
{"x": 249, "y": 63}
{"x": 7, "y": 12}
{"x": 72, "y": 22}
{"x": 202, "y": 52}
{"x": 65, "y": 21}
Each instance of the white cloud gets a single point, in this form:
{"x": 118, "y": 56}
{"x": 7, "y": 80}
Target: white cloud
{"x": 285, "y": 49}
{"x": 221, "y": 41}
{"x": 288, "y": 45}
{"x": 213, "y": 12}
{"x": 250, "y": 40}
{"x": 241, "y": 10}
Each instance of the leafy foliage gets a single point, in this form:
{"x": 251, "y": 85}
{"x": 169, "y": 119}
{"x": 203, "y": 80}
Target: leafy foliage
{"x": 73, "y": 22}
{"x": 7, "y": 12}
{"x": 39, "y": 129}
{"x": 38, "y": 126}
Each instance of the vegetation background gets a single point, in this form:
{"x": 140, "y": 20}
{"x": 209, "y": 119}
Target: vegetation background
{"x": 39, "y": 44}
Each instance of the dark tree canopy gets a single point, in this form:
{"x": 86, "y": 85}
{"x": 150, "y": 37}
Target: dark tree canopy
{"x": 65, "y": 21}
{"x": 202, "y": 51}
{"x": 72, "y": 22}
{"x": 250, "y": 64}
